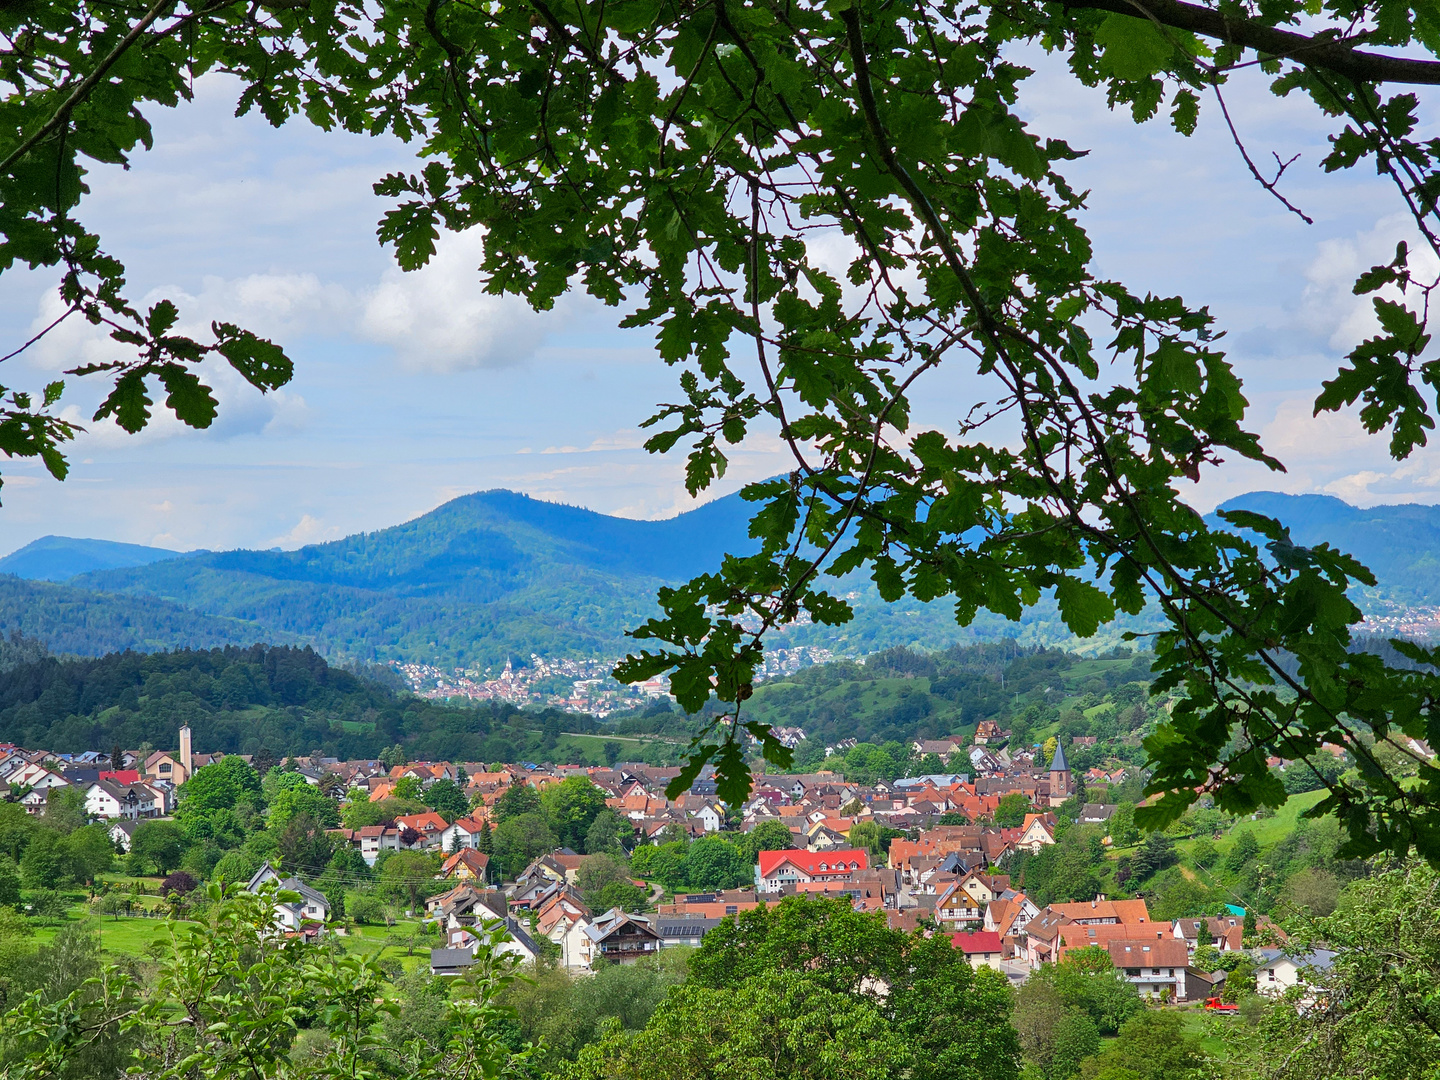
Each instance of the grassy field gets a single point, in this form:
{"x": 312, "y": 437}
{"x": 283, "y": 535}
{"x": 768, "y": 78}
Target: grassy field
{"x": 134, "y": 935}
{"x": 1267, "y": 831}
{"x": 1083, "y": 671}
{"x": 1210, "y": 1029}
{"x": 590, "y": 749}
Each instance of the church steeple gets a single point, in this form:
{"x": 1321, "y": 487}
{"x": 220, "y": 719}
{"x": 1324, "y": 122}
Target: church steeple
{"x": 1058, "y": 762}
{"x": 1059, "y": 776}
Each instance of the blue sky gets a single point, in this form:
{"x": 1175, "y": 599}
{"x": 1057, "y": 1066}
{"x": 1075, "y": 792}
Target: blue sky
{"x": 412, "y": 389}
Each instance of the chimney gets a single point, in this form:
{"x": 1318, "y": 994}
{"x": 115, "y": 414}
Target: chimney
{"x": 185, "y": 750}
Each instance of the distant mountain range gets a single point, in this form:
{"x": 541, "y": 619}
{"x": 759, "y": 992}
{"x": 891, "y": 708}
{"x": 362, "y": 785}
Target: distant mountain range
{"x": 59, "y": 558}
{"x": 498, "y": 574}
{"x": 1400, "y": 543}
{"x": 485, "y": 576}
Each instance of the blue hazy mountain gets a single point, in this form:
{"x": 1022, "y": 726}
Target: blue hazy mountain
{"x": 1400, "y": 543}
{"x": 482, "y": 577}
{"x": 498, "y": 574}
{"x": 59, "y": 558}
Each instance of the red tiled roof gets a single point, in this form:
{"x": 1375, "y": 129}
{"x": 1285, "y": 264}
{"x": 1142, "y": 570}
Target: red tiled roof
{"x": 1147, "y": 953}
{"x": 978, "y": 941}
{"x": 421, "y": 823}
{"x": 810, "y": 861}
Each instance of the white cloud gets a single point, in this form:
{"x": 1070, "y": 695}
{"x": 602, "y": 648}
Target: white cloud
{"x": 439, "y": 318}
{"x": 1298, "y": 437}
{"x": 1330, "y": 306}
{"x": 308, "y": 530}
{"x": 277, "y": 306}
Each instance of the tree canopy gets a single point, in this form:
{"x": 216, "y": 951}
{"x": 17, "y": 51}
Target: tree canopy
{"x": 683, "y": 161}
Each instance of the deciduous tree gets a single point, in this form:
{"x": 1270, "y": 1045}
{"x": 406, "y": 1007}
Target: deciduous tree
{"x": 1012, "y": 810}
{"x": 571, "y": 807}
{"x": 684, "y": 159}
{"x": 447, "y": 800}
{"x": 157, "y": 844}
{"x": 519, "y": 798}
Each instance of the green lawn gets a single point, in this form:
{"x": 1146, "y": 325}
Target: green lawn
{"x": 1210, "y": 1029}
{"x": 1270, "y": 831}
{"x": 133, "y": 936}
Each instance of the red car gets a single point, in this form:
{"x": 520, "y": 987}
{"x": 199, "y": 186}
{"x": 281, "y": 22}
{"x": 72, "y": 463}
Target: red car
{"x": 1214, "y": 1004}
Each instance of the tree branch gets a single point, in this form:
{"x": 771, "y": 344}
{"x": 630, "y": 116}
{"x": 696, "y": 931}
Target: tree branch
{"x": 1316, "y": 51}
{"x": 62, "y": 114}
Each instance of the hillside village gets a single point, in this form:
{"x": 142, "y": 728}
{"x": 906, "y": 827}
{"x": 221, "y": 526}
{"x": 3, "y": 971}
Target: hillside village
{"x": 935, "y": 853}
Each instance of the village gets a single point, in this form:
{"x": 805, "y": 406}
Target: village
{"x": 930, "y": 853}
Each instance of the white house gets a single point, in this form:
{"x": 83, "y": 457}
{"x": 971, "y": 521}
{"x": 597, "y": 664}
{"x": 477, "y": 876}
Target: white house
{"x": 507, "y": 938}
{"x": 776, "y": 869}
{"x": 312, "y": 907}
{"x": 1038, "y": 833}
{"x": 109, "y": 800}
{"x": 710, "y": 818}
{"x": 461, "y": 833}
{"x": 1276, "y": 972}
{"x": 377, "y": 838}
{"x": 1155, "y": 967}
{"x": 39, "y": 780}
{"x": 122, "y": 832}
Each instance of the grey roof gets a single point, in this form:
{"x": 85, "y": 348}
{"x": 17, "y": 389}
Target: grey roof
{"x": 450, "y": 958}
{"x": 685, "y": 926}
{"x": 1058, "y": 762}
{"x": 519, "y": 934}
{"x": 289, "y": 884}
{"x": 1320, "y": 959}
{"x": 938, "y": 779}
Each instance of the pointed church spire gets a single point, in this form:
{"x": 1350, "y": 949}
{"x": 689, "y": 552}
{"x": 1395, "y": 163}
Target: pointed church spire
{"x": 1058, "y": 762}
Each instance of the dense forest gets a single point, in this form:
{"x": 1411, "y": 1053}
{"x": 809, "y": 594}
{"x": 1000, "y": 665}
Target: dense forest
{"x": 901, "y": 694}
{"x": 82, "y": 622}
{"x": 238, "y": 699}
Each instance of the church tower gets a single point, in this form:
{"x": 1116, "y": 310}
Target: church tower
{"x": 1060, "y": 786}
{"x": 185, "y": 750}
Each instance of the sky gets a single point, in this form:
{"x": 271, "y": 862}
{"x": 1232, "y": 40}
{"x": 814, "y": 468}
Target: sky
{"x": 411, "y": 389}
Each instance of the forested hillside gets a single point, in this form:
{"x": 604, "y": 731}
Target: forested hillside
{"x": 1400, "y": 543}
{"x": 238, "y": 699}
{"x": 498, "y": 575}
{"x": 87, "y": 623}
{"x": 484, "y": 577}
{"x": 904, "y": 694}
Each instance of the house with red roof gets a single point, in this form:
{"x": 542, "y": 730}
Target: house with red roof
{"x": 1156, "y": 968}
{"x": 981, "y": 947}
{"x": 776, "y": 869}
{"x": 467, "y": 863}
{"x": 429, "y": 825}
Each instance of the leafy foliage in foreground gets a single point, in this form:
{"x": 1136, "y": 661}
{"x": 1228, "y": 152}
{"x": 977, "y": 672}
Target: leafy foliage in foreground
{"x": 680, "y": 158}
{"x": 231, "y": 998}
{"x": 953, "y": 1021}
{"x": 1378, "y": 1015}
